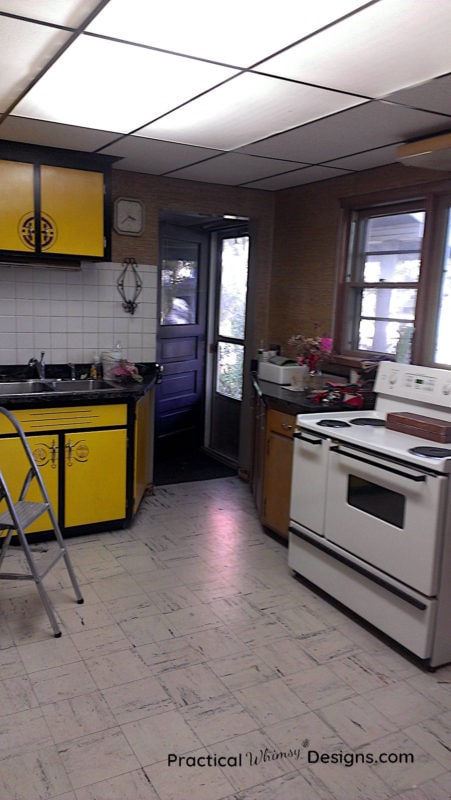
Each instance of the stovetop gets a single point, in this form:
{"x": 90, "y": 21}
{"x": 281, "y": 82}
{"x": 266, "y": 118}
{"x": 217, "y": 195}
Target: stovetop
{"x": 376, "y": 437}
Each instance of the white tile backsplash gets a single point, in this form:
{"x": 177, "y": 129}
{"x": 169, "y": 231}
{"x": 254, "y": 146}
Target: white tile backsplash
{"x": 71, "y": 315}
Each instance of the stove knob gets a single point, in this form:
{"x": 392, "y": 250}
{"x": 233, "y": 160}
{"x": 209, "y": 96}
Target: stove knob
{"x": 392, "y": 378}
{"x": 446, "y": 389}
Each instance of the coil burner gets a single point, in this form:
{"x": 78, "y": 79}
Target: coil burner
{"x": 431, "y": 452}
{"x": 369, "y": 422}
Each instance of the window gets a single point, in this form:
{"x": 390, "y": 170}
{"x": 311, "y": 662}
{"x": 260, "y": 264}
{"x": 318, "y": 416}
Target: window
{"x": 396, "y": 281}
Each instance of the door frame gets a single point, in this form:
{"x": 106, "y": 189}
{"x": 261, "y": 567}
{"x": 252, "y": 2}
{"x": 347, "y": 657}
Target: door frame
{"x": 213, "y": 224}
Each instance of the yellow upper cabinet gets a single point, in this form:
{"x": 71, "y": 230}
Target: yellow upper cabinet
{"x": 52, "y": 210}
{"x": 72, "y": 203}
{"x": 16, "y": 205}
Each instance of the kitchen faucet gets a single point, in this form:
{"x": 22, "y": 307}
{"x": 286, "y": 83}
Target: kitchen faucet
{"x": 39, "y": 365}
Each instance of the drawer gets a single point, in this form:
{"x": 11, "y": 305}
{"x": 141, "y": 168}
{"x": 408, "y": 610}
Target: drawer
{"x": 279, "y": 422}
{"x": 60, "y": 419}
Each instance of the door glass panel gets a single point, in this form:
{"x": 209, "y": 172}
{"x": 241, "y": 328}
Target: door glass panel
{"x": 232, "y": 297}
{"x": 229, "y": 370}
{"x": 376, "y": 500}
{"x": 179, "y": 282}
{"x": 442, "y": 349}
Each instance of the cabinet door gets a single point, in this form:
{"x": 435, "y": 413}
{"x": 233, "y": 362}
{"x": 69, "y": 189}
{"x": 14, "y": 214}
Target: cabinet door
{"x": 95, "y": 467}
{"x": 17, "y": 222}
{"x": 278, "y": 465}
{"x": 14, "y": 465}
{"x": 73, "y": 202}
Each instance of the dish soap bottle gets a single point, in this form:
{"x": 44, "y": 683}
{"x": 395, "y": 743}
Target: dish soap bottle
{"x": 94, "y": 372}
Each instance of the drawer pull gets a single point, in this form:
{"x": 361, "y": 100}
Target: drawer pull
{"x": 286, "y": 426}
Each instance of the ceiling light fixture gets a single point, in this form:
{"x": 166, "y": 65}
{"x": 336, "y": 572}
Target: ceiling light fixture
{"x": 431, "y": 153}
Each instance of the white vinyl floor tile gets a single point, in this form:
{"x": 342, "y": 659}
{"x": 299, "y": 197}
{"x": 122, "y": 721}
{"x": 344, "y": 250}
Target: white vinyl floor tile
{"x": 195, "y": 640}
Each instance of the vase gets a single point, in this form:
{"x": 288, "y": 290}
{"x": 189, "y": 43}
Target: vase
{"x": 315, "y": 379}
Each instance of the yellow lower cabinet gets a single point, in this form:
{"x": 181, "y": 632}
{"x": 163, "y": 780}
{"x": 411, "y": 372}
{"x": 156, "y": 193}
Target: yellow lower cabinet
{"x": 14, "y": 466}
{"x": 95, "y": 466}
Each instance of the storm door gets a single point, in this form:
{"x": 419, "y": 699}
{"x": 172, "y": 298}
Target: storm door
{"x": 228, "y": 348}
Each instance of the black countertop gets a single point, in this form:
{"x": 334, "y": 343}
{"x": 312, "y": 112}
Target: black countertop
{"x": 285, "y": 399}
{"x": 118, "y": 393}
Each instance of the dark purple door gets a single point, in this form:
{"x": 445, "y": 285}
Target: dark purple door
{"x": 181, "y": 337}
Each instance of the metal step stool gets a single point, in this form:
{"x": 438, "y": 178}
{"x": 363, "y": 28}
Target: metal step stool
{"x": 19, "y": 516}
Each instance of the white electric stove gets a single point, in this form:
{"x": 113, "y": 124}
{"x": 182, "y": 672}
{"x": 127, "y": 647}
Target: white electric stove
{"x": 371, "y": 510}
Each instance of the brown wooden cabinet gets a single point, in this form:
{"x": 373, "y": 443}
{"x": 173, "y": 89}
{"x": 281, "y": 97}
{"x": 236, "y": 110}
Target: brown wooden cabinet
{"x": 278, "y": 462}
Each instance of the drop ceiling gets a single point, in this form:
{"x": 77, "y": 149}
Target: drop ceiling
{"x": 256, "y": 94}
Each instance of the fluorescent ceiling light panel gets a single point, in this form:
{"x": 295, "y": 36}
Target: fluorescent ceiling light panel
{"x": 240, "y": 34}
{"x": 371, "y": 52}
{"x": 111, "y": 86}
{"x": 245, "y": 109}
{"x": 25, "y": 49}
{"x": 70, "y": 12}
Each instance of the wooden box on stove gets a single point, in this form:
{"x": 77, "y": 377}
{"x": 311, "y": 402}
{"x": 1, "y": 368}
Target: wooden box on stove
{"x": 435, "y": 430}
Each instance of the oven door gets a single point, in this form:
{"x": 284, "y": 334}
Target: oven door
{"x": 388, "y": 514}
{"x": 309, "y": 480}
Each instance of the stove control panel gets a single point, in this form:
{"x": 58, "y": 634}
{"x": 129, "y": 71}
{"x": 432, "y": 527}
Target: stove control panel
{"x": 426, "y": 385}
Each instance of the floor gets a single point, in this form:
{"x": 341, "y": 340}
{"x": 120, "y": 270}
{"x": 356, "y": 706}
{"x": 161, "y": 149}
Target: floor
{"x": 199, "y": 668}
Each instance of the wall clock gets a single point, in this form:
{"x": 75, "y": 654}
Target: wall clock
{"x": 128, "y": 216}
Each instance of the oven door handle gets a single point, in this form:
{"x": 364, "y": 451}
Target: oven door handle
{"x": 299, "y": 435}
{"x": 417, "y": 478}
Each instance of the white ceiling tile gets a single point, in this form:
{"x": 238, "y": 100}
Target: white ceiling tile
{"x": 367, "y": 160}
{"x": 241, "y": 34}
{"x": 152, "y": 156}
{"x": 297, "y": 178}
{"x": 233, "y": 169}
{"x": 245, "y": 109}
{"x": 69, "y": 12}
{"x": 25, "y": 48}
{"x": 111, "y": 86}
{"x": 375, "y": 124}
{"x": 51, "y": 134}
{"x": 434, "y": 95}
{"x": 385, "y": 47}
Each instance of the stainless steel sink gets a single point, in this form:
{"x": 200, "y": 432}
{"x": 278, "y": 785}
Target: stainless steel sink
{"x": 24, "y": 387}
{"x": 81, "y": 386}
{"x": 50, "y": 386}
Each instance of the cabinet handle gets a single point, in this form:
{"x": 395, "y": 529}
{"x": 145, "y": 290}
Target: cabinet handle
{"x": 54, "y": 451}
{"x": 69, "y": 447}
{"x": 286, "y": 426}
{"x": 298, "y": 435}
